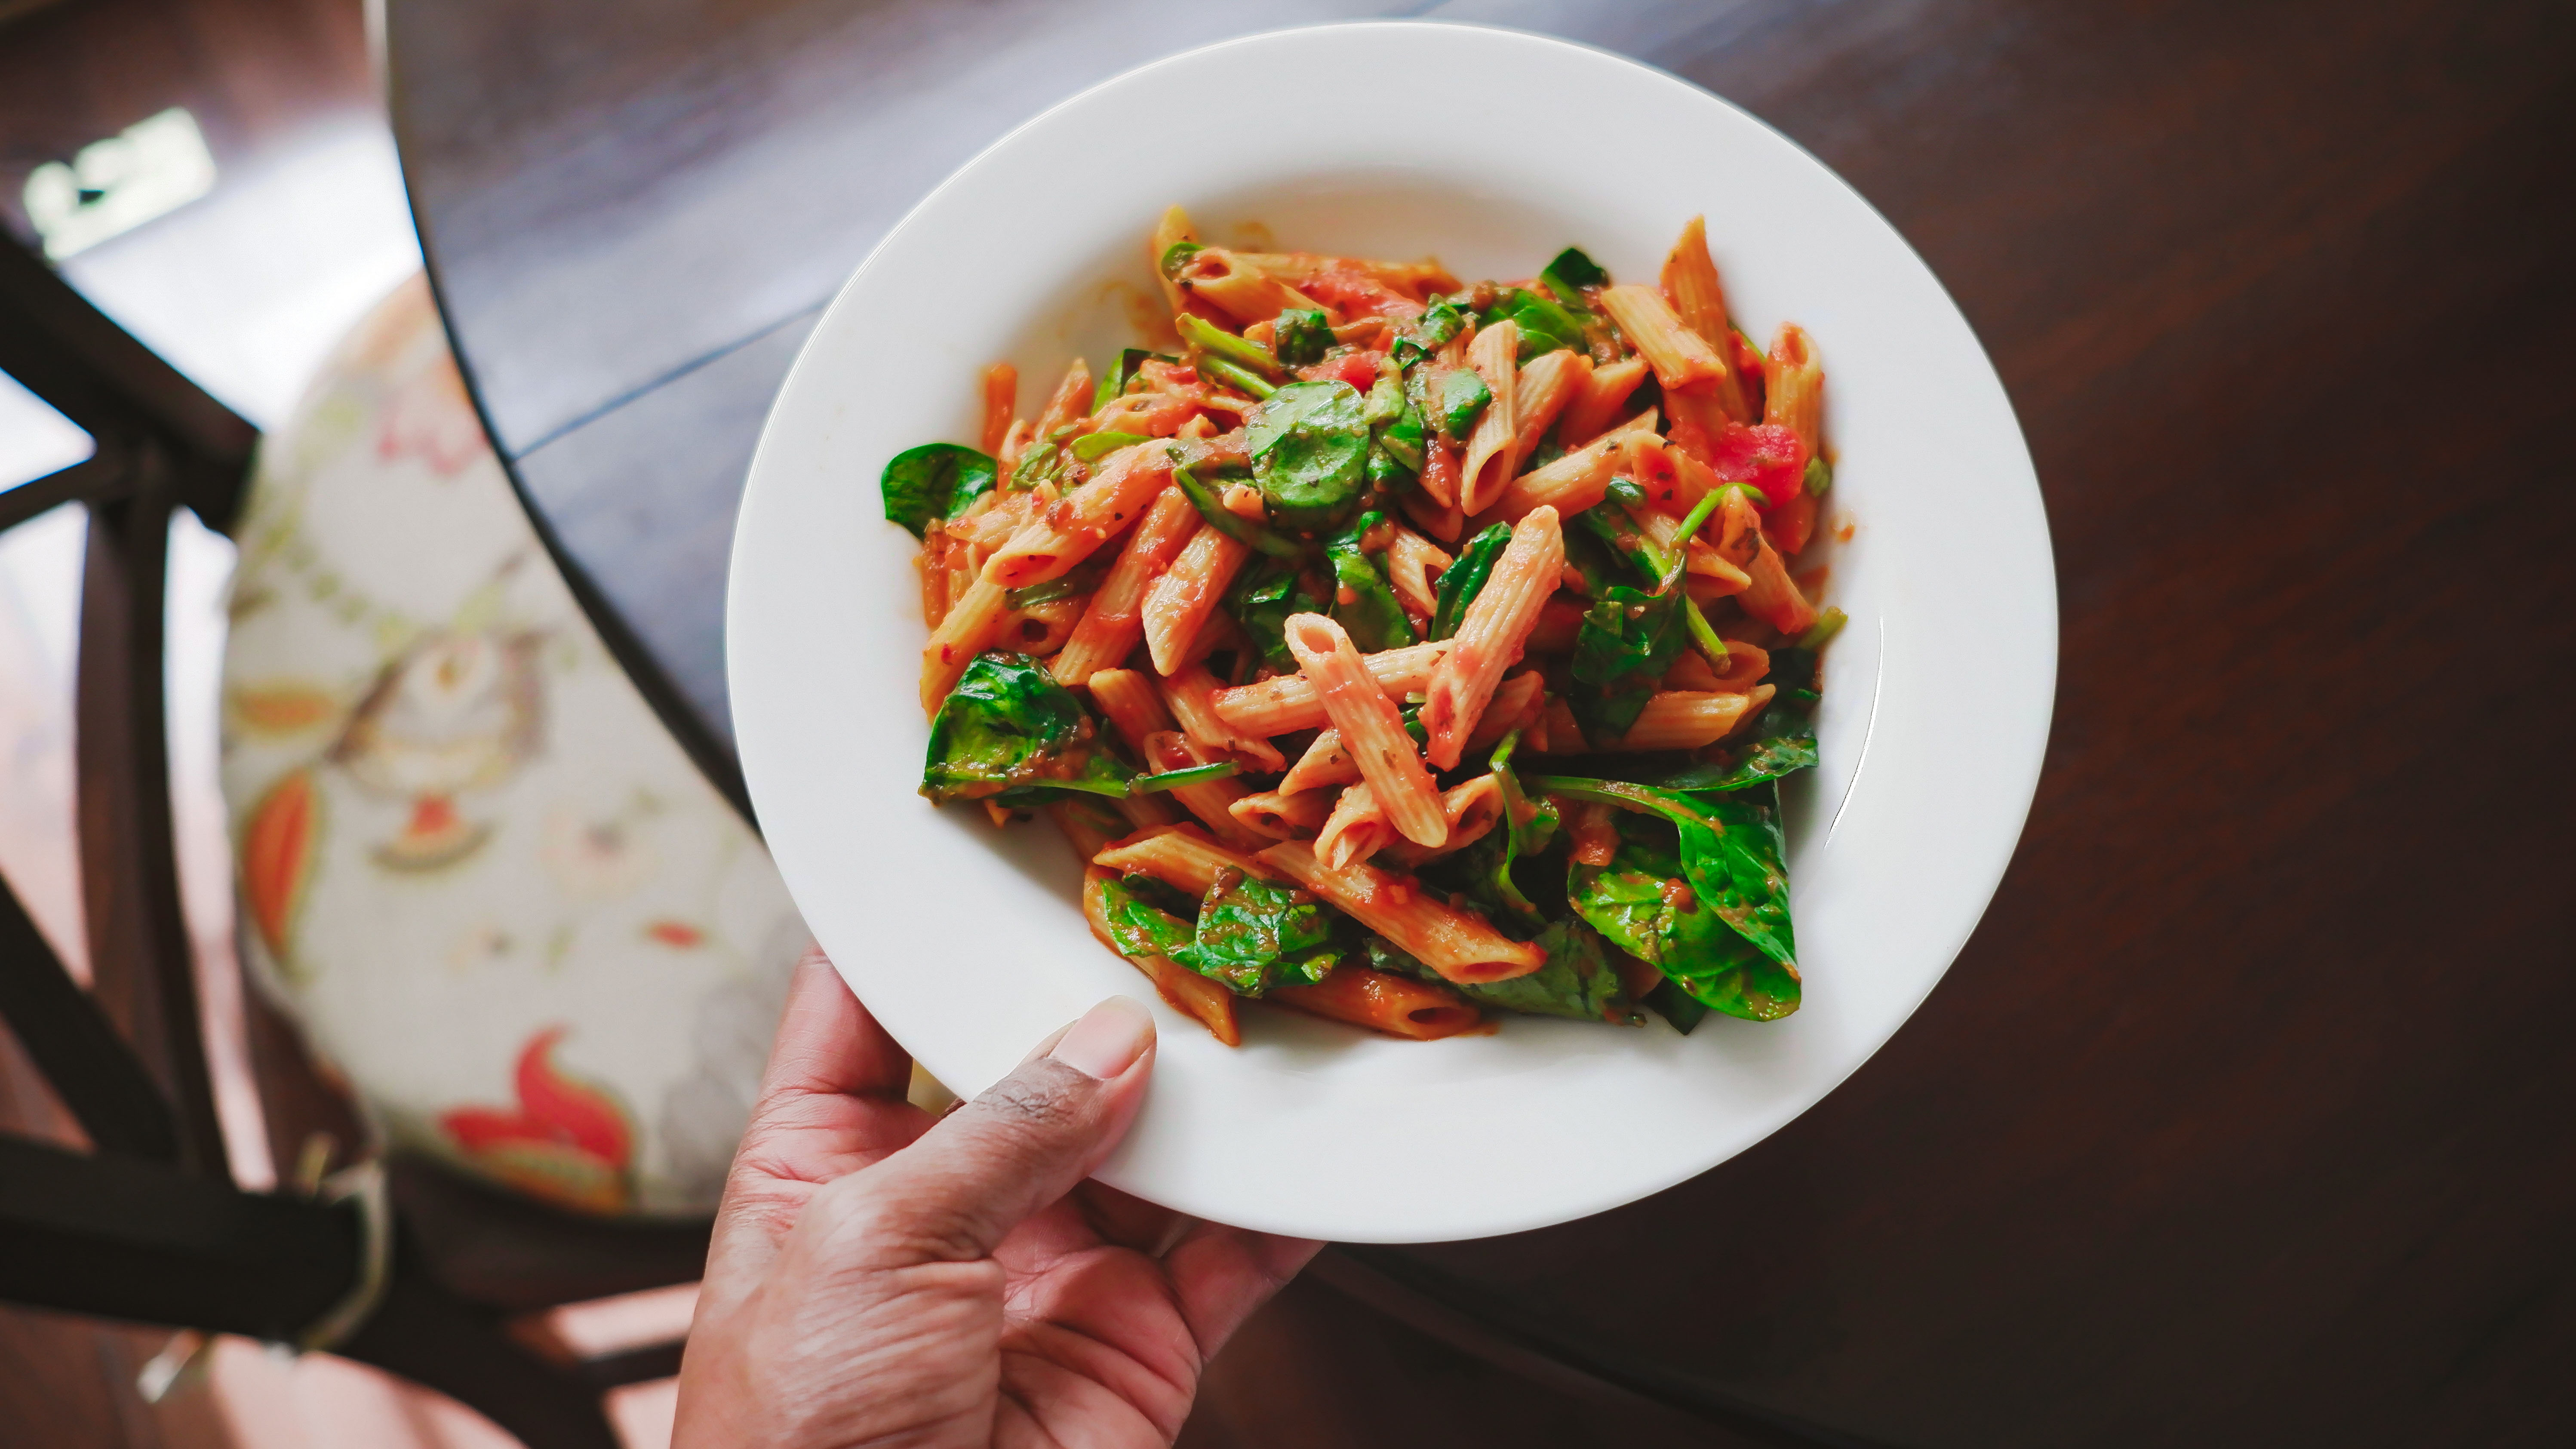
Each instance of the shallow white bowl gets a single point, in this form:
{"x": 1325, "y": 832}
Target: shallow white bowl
{"x": 1492, "y": 150}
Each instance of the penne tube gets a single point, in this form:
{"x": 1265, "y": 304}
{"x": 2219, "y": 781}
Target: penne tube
{"x": 932, "y": 564}
{"x": 1133, "y": 706}
{"x": 1745, "y": 666}
{"x": 1793, "y": 386}
{"x": 1064, "y": 534}
{"x": 1015, "y": 441}
{"x": 1178, "y": 603}
{"x": 1416, "y": 280}
{"x": 1189, "y": 993}
{"x": 1490, "y": 637}
{"x": 1115, "y": 621}
{"x": 1173, "y": 229}
{"x": 1089, "y": 823}
{"x": 1773, "y": 596}
{"x": 1324, "y": 763}
{"x": 1397, "y": 1005}
{"x": 1459, "y": 944}
{"x": 1357, "y": 829}
{"x": 1186, "y": 694}
{"x": 1472, "y": 808}
{"x": 1546, "y": 386}
{"x": 1001, "y": 402}
{"x": 1371, "y": 728}
{"x": 1182, "y": 856}
{"x": 1236, "y": 288}
{"x": 1515, "y": 701}
{"x": 1412, "y": 562}
{"x": 1212, "y": 801}
{"x": 1683, "y": 720}
{"x": 1067, "y": 404}
{"x": 1493, "y": 454}
{"x": 1572, "y": 483}
{"x": 1789, "y": 525}
{"x": 1690, "y": 285}
{"x": 1679, "y": 356}
{"x": 1144, "y": 812}
{"x": 1605, "y": 392}
{"x": 1283, "y": 816}
{"x": 968, "y": 631}
{"x": 1041, "y": 629}
{"x": 1291, "y": 702}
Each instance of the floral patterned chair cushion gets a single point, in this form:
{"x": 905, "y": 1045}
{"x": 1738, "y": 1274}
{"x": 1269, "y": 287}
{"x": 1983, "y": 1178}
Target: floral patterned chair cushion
{"x": 472, "y": 862}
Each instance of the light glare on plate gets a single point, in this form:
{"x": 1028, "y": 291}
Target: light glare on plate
{"x": 149, "y": 170}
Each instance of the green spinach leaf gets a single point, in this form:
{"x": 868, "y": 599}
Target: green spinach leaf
{"x": 1429, "y": 332}
{"x": 1300, "y": 337}
{"x": 1627, "y": 640}
{"x": 1461, "y": 397}
{"x": 933, "y": 481}
{"x": 1570, "y": 273}
{"x": 1136, "y": 927}
{"x": 1261, "y": 598}
{"x": 1546, "y": 324}
{"x": 1009, "y": 730}
{"x": 1230, "y": 523}
{"x": 1731, "y": 854}
{"x": 1676, "y": 1006}
{"x": 1579, "y": 981}
{"x": 1309, "y": 447}
{"x": 1643, "y": 903}
{"x": 1371, "y": 616}
{"x": 1401, "y": 439}
{"x": 1465, "y": 578}
{"x": 1092, "y": 447}
{"x": 1253, "y": 935}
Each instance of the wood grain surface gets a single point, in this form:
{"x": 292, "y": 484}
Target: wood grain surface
{"x": 2244, "y": 1118}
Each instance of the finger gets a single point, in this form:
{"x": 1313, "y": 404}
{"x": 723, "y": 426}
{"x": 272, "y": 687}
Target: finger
{"x": 955, "y": 1193}
{"x": 1129, "y": 1221}
{"x": 831, "y": 1102}
{"x": 1221, "y": 1274}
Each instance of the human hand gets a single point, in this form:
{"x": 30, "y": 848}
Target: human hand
{"x": 876, "y": 1278}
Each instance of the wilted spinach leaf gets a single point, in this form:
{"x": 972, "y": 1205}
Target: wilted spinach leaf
{"x": 1644, "y": 903}
{"x": 1230, "y": 523}
{"x": 933, "y": 481}
{"x": 1008, "y": 729}
{"x": 1546, "y": 325}
{"x": 1458, "y": 400}
{"x": 1579, "y": 981}
{"x": 1429, "y": 332}
{"x": 1309, "y": 446}
{"x": 1465, "y": 578}
{"x": 1676, "y": 1006}
{"x": 1783, "y": 743}
{"x": 1372, "y": 617}
{"x": 1253, "y": 935}
{"x": 1731, "y": 852}
{"x": 1300, "y": 337}
{"x": 1137, "y": 927}
{"x": 1261, "y": 599}
{"x": 1628, "y": 639}
{"x": 1570, "y": 273}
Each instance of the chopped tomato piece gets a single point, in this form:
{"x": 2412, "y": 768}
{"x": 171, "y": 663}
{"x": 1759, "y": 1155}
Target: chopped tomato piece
{"x": 1354, "y": 295}
{"x": 1768, "y": 456}
{"x": 1359, "y": 369}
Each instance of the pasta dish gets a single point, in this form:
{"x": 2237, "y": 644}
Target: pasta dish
{"x": 1400, "y": 650}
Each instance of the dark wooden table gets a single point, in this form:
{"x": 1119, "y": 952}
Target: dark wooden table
{"x": 2246, "y": 1116}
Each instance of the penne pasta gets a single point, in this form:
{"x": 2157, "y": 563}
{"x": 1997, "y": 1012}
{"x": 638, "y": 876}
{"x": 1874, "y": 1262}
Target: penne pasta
{"x": 1187, "y": 991}
{"x": 1283, "y": 816}
{"x": 1249, "y": 792}
{"x": 1371, "y": 728}
{"x": 1001, "y": 402}
{"x": 1186, "y": 695}
{"x": 1184, "y": 857}
{"x": 1605, "y": 392}
{"x": 1066, "y": 533}
{"x": 1324, "y": 763}
{"x": 1490, "y": 637}
{"x": 1459, "y": 944}
{"x": 1357, "y": 829}
{"x": 1679, "y": 356}
{"x": 1177, "y": 604}
{"x": 1492, "y": 447}
{"x": 1690, "y": 286}
{"x": 1114, "y": 622}
{"x": 1473, "y": 810}
{"x": 1547, "y": 385}
{"x": 1393, "y": 1004}
{"x": 1291, "y": 702}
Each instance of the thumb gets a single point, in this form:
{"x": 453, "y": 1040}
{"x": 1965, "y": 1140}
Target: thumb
{"x": 954, "y": 1194}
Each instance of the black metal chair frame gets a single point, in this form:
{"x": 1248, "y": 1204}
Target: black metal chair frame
{"x": 147, "y": 1225}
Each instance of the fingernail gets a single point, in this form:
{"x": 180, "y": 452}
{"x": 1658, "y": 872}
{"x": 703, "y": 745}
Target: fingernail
{"x": 1108, "y": 1039}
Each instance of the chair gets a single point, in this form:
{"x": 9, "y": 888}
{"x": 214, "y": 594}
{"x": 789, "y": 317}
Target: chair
{"x": 401, "y": 1264}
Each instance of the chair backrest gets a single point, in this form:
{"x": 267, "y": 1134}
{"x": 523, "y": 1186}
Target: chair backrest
{"x": 161, "y": 444}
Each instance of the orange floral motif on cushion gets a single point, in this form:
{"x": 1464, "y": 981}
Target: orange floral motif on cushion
{"x": 276, "y": 856}
{"x": 568, "y": 1140}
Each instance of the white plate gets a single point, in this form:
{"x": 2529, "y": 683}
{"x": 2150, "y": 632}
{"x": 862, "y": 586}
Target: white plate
{"x": 1491, "y": 149}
